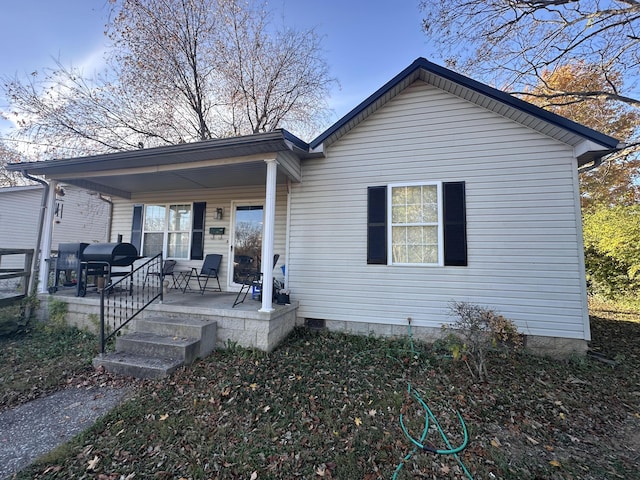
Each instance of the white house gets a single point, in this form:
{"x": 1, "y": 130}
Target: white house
{"x": 436, "y": 188}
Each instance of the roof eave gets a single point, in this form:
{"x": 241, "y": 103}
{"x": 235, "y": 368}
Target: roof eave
{"x": 276, "y": 141}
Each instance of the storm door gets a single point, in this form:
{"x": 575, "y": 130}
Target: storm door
{"x": 246, "y": 243}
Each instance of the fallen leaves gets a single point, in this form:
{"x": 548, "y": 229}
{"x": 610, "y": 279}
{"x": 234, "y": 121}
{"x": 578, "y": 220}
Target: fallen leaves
{"x": 93, "y": 463}
{"x": 329, "y": 396}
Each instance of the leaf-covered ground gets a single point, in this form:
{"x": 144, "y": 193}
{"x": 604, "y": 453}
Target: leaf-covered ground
{"x": 41, "y": 361}
{"x": 328, "y": 406}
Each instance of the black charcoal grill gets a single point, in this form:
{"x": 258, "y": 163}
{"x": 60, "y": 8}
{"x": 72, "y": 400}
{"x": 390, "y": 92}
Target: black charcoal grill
{"x": 98, "y": 259}
{"x": 67, "y": 262}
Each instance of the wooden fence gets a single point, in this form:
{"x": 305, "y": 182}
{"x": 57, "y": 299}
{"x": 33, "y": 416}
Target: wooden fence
{"x": 9, "y": 296}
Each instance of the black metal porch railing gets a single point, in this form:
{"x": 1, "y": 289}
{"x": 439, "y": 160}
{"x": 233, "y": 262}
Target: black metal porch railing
{"x": 122, "y": 300}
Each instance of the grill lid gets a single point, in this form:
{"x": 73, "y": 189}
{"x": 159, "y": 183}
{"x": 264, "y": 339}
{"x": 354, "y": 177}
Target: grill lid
{"x": 116, "y": 254}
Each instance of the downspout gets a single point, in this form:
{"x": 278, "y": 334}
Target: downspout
{"x": 287, "y": 235}
{"x": 110, "y": 222}
{"x": 43, "y": 207}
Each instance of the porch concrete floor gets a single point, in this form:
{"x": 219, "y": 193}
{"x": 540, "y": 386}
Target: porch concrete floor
{"x": 191, "y": 299}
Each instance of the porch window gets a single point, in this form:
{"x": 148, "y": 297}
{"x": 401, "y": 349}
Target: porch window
{"x": 167, "y": 228}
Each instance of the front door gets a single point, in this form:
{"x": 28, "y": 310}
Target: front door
{"x": 246, "y": 244}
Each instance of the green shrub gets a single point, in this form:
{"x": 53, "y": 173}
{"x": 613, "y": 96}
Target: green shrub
{"x": 57, "y": 314}
{"x": 612, "y": 251}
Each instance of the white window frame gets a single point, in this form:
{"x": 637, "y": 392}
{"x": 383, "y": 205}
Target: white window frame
{"x": 390, "y": 224}
{"x": 166, "y": 231}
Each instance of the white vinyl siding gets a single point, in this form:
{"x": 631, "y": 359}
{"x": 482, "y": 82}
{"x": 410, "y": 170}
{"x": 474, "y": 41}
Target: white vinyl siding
{"x": 214, "y": 198}
{"x": 523, "y": 224}
{"x": 84, "y": 218}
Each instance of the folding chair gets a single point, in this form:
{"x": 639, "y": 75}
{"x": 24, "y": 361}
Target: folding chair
{"x": 210, "y": 269}
{"x": 253, "y": 280}
{"x": 167, "y": 271}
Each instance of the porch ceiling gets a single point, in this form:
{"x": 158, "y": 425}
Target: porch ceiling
{"x": 124, "y": 184}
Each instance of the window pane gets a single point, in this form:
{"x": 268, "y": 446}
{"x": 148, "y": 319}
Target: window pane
{"x": 399, "y": 196}
{"x": 399, "y": 239}
{"x": 154, "y": 218}
{"x": 179, "y": 217}
{"x": 430, "y": 254}
{"x": 414, "y": 254}
{"x": 152, "y": 244}
{"x": 399, "y": 214}
{"x": 430, "y": 203}
{"x": 178, "y": 245}
{"x": 429, "y": 194}
{"x": 430, "y": 235}
{"x": 414, "y": 236}
{"x": 414, "y": 196}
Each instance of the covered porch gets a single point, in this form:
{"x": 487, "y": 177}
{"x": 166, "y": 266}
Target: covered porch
{"x": 209, "y": 183}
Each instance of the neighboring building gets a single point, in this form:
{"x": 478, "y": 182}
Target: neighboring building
{"x": 79, "y": 216}
{"x": 436, "y": 188}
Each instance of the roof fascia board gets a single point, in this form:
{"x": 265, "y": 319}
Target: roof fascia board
{"x": 54, "y": 173}
{"x": 278, "y": 140}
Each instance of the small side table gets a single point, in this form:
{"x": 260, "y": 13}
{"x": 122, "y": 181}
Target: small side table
{"x": 182, "y": 280}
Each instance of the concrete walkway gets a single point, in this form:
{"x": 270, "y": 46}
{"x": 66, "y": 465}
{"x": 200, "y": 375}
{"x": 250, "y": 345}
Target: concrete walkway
{"x": 33, "y": 429}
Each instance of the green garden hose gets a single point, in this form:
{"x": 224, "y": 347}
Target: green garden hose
{"x": 429, "y": 416}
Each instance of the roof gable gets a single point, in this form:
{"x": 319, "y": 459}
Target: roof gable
{"x": 543, "y": 121}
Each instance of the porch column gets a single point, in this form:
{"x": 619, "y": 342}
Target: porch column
{"x": 45, "y": 243}
{"x": 268, "y": 236}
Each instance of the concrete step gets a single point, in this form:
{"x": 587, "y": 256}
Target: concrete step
{"x": 162, "y": 346}
{"x": 182, "y": 327}
{"x": 139, "y": 366}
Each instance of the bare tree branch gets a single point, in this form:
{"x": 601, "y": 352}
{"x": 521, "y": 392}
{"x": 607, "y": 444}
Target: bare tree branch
{"x": 179, "y": 70}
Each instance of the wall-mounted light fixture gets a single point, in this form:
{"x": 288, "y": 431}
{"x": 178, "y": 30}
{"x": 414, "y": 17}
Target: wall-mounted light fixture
{"x": 219, "y": 213}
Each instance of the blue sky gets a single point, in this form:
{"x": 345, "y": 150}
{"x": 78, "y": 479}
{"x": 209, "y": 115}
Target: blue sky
{"x": 366, "y": 42}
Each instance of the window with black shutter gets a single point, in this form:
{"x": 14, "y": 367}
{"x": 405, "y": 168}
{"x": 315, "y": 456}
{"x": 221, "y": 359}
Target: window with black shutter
{"x": 421, "y": 233}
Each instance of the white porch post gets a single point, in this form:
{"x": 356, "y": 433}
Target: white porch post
{"x": 268, "y": 236}
{"x": 45, "y": 243}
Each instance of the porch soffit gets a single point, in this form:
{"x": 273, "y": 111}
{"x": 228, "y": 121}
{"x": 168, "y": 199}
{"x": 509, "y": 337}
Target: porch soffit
{"x": 124, "y": 183}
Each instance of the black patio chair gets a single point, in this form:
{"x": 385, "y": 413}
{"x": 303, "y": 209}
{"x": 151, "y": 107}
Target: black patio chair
{"x": 167, "y": 271}
{"x": 254, "y": 280}
{"x": 210, "y": 269}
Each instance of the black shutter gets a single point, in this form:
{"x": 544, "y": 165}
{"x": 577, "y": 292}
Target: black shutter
{"x": 136, "y": 228}
{"x": 455, "y": 224}
{"x": 197, "y": 234}
{"x": 377, "y": 225}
